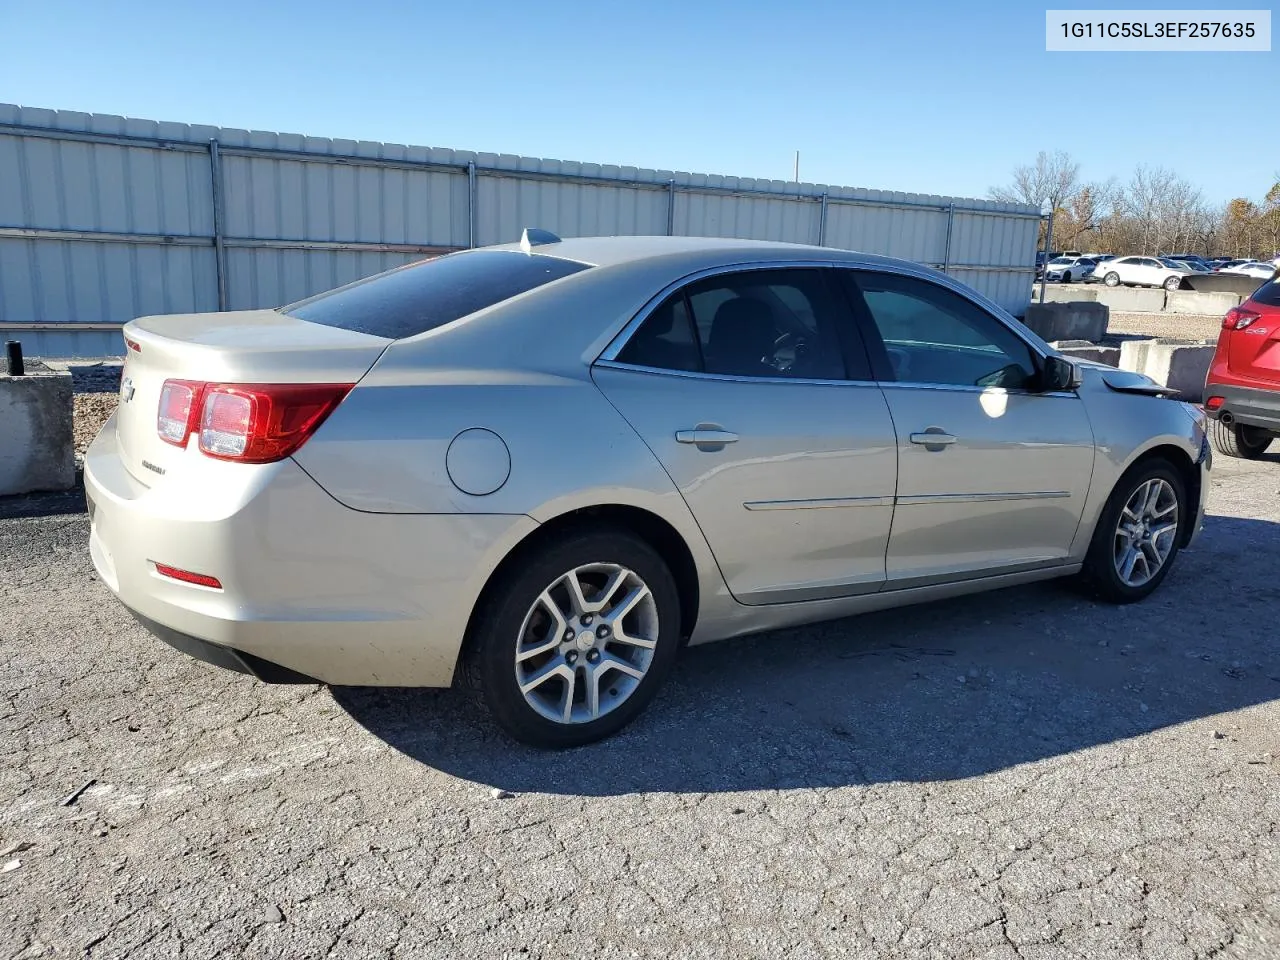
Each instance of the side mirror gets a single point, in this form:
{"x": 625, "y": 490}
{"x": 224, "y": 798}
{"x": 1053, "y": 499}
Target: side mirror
{"x": 1059, "y": 375}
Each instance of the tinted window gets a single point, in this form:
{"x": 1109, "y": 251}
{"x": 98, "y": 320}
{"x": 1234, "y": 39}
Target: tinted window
{"x": 1268, "y": 293}
{"x": 936, "y": 336}
{"x": 759, "y": 323}
{"x": 421, "y": 296}
{"x": 665, "y": 340}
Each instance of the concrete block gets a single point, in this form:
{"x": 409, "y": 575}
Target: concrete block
{"x": 1084, "y": 350}
{"x": 1132, "y": 299}
{"x": 1222, "y": 283}
{"x": 1178, "y": 364}
{"x": 1181, "y": 366}
{"x": 1081, "y": 320}
{"x": 1207, "y": 304}
{"x": 37, "y": 451}
{"x": 1065, "y": 293}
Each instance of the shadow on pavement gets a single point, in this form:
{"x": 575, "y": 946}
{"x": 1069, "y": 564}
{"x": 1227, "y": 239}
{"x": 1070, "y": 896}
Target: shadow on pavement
{"x": 27, "y": 505}
{"x": 946, "y": 690}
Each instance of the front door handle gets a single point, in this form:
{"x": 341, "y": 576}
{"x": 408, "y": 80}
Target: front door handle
{"x": 933, "y": 438}
{"x": 703, "y": 436}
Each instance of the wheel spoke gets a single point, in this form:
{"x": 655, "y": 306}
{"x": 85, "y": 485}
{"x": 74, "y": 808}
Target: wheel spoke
{"x": 566, "y": 706}
{"x": 1151, "y": 557}
{"x": 556, "y": 668}
{"x": 1127, "y": 564}
{"x": 605, "y": 596}
{"x": 621, "y": 636}
{"x": 1163, "y": 531}
{"x": 1127, "y": 513}
{"x": 1154, "y": 489}
{"x": 609, "y": 660}
{"x": 554, "y": 632}
{"x": 576, "y": 598}
{"x": 593, "y": 690}
{"x": 626, "y": 605}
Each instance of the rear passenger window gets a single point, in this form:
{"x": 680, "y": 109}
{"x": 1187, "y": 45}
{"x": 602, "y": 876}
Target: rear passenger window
{"x": 759, "y": 323}
{"x": 1268, "y": 293}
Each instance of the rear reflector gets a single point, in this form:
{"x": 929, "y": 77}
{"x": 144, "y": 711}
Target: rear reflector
{"x": 1213, "y": 403}
{"x": 186, "y": 576}
{"x": 1238, "y": 318}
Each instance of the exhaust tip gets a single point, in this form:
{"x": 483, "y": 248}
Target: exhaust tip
{"x": 1225, "y": 418}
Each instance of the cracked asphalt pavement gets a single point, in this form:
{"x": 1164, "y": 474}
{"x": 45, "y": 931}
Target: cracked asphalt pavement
{"x": 1018, "y": 774}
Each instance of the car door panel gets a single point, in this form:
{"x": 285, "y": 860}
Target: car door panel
{"x": 799, "y": 505}
{"x": 992, "y": 476}
{"x": 1007, "y": 493}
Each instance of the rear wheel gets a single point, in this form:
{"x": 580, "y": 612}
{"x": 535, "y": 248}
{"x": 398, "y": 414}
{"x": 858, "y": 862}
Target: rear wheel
{"x": 573, "y": 642}
{"x": 1137, "y": 537}
{"x": 1066, "y": 277}
{"x": 1173, "y": 283}
{"x": 1112, "y": 279}
{"x": 1238, "y": 440}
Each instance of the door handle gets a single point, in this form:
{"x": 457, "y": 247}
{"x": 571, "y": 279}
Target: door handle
{"x": 933, "y": 437}
{"x": 703, "y": 436}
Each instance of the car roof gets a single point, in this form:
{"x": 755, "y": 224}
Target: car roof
{"x": 695, "y": 253}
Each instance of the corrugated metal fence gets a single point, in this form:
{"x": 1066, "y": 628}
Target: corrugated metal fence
{"x": 104, "y": 218}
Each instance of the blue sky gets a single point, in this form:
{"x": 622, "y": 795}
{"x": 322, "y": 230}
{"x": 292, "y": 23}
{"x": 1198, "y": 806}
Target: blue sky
{"x": 935, "y": 97}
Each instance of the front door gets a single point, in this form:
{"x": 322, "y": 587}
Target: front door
{"x": 992, "y": 474}
{"x": 744, "y": 386}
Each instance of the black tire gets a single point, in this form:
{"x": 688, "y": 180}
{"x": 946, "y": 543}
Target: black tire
{"x": 1099, "y": 576}
{"x": 1112, "y": 279}
{"x": 1066, "y": 277}
{"x": 488, "y": 663}
{"x": 1238, "y": 440}
{"x": 1173, "y": 283}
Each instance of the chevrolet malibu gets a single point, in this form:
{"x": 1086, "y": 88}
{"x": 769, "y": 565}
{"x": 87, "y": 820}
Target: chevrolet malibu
{"x": 540, "y": 469}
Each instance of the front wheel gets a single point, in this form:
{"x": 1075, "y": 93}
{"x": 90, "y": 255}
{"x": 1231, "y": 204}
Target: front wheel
{"x": 573, "y": 641}
{"x": 1138, "y": 533}
{"x": 1112, "y": 279}
{"x": 1066, "y": 277}
{"x": 1173, "y": 283}
{"x": 1238, "y": 440}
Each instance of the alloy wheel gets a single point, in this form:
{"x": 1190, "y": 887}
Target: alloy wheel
{"x": 1146, "y": 531}
{"x": 586, "y": 643}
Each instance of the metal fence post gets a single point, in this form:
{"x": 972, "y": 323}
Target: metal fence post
{"x": 1048, "y": 245}
{"x": 671, "y": 208}
{"x": 471, "y": 204}
{"x": 822, "y": 222}
{"x": 219, "y": 248}
{"x": 946, "y": 250}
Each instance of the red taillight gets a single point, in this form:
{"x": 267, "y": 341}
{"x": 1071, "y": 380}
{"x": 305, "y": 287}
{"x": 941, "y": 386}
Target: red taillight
{"x": 179, "y": 405}
{"x": 259, "y": 423}
{"x": 246, "y": 422}
{"x": 133, "y": 345}
{"x": 1213, "y": 403}
{"x": 186, "y": 576}
{"x": 1238, "y": 318}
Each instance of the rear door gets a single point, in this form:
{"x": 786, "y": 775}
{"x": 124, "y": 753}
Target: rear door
{"x": 1254, "y": 351}
{"x": 752, "y": 390}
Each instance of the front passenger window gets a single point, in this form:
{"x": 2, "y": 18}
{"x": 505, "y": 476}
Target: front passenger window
{"x": 935, "y": 336}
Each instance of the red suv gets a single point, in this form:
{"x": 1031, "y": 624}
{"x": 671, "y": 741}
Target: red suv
{"x": 1242, "y": 389}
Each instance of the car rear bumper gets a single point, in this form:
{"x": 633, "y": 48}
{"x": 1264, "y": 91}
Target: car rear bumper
{"x": 1250, "y": 406}
{"x": 311, "y": 590}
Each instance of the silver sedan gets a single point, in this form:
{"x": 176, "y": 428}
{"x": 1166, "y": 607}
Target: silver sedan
{"x": 541, "y": 469}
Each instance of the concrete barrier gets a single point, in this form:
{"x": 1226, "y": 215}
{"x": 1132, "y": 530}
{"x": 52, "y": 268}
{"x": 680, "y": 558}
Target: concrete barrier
{"x": 1222, "y": 283}
{"x": 1084, "y": 350}
{"x": 1066, "y": 293}
{"x": 1132, "y": 299}
{"x": 37, "y": 451}
{"x": 1080, "y": 320}
{"x": 1178, "y": 364}
{"x": 1194, "y": 301}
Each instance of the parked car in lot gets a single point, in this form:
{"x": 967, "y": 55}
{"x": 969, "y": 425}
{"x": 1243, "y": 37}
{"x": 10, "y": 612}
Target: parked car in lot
{"x": 1195, "y": 266}
{"x": 1242, "y": 389}
{"x": 1190, "y": 258}
{"x": 542, "y": 468}
{"x": 1068, "y": 269}
{"x": 1144, "y": 271}
{"x": 1228, "y": 264}
{"x": 1261, "y": 270}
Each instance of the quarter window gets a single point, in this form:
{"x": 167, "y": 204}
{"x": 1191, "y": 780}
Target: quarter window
{"x": 936, "y": 336}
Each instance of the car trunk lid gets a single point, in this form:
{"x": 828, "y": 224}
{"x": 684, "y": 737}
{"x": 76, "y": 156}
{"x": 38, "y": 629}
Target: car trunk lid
{"x": 251, "y": 346}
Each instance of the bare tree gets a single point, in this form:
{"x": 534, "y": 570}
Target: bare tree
{"x": 1049, "y": 182}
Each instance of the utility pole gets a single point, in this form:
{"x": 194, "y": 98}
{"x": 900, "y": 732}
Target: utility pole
{"x": 797, "y": 166}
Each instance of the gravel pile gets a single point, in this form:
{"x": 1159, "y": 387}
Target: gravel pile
{"x": 96, "y": 389}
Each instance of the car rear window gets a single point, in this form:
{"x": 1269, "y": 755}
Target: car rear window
{"x": 1268, "y": 293}
{"x": 418, "y": 297}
